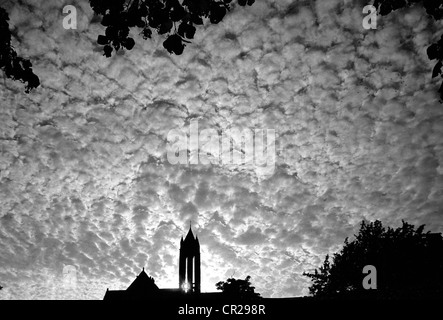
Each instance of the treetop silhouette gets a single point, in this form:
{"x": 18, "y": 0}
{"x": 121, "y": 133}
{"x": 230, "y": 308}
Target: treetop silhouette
{"x": 409, "y": 264}
{"x": 238, "y": 288}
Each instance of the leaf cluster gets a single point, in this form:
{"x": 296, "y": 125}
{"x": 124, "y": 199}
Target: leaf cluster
{"x": 176, "y": 18}
{"x": 434, "y": 8}
{"x": 14, "y": 67}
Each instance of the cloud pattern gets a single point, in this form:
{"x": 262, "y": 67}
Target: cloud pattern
{"x": 85, "y": 180}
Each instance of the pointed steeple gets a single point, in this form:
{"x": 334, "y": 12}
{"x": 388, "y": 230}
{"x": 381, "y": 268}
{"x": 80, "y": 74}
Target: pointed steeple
{"x": 190, "y": 235}
{"x": 189, "y": 263}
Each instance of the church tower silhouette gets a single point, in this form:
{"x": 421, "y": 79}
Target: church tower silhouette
{"x": 189, "y": 263}
{"x": 144, "y": 287}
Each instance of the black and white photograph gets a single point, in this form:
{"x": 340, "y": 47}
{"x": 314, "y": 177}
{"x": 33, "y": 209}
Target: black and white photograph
{"x": 221, "y": 157}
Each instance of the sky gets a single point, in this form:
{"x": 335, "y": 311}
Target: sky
{"x": 88, "y": 196}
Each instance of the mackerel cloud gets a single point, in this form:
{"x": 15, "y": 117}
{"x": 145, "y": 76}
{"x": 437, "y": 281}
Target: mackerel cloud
{"x": 85, "y": 180}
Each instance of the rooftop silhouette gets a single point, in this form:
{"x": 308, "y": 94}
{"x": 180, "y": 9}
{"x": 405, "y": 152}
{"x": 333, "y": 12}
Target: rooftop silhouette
{"x": 144, "y": 287}
{"x": 406, "y": 262}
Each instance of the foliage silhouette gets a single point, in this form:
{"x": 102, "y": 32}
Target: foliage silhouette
{"x": 433, "y": 8}
{"x": 14, "y": 67}
{"x": 409, "y": 264}
{"x": 238, "y": 288}
{"x": 163, "y": 16}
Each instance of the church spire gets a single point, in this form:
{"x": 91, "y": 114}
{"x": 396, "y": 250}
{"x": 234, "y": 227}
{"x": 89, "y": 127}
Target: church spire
{"x": 190, "y": 235}
{"x": 189, "y": 263}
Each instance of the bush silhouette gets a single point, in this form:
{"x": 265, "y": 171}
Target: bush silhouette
{"x": 409, "y": 264}
{"x": 238, "y": 288}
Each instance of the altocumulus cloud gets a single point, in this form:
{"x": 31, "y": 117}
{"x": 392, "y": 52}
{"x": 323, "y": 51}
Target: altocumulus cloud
{"x": 85, "y": 180}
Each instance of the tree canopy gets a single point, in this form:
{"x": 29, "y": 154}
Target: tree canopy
{"x": 178, "y": 20}
{"x": 173, "y": 17}
{"x": 409, "y": 264}
{"x": 238, "y": 288}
